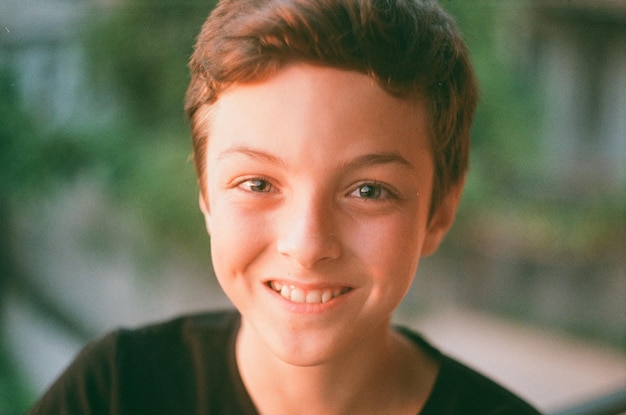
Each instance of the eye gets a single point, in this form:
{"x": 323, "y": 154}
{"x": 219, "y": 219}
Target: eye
{"x": 371, "y": 191}
{"x": 256, "y": 185}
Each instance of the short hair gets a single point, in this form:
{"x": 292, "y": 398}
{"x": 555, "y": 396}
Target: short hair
{"x": 411, "y": 48}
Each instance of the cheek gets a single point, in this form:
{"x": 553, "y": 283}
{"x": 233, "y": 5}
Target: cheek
{"x": 236, "y": 239}
{"x": 390, "y": 248}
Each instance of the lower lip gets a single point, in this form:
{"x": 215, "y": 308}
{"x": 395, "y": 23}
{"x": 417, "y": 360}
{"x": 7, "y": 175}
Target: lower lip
{"x": 308, "y": 308}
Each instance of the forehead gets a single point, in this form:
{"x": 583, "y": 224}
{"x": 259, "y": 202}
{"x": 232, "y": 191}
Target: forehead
{"x": 327, "y": 106}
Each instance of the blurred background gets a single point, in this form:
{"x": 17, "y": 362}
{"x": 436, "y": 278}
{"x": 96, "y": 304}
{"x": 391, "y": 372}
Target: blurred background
{"x": 99, "y": 225}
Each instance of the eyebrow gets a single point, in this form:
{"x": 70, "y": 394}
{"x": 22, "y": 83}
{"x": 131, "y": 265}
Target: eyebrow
{"x": 366, "y": 160}
{"x": 375, "y": 159}
{"x": 252, "y": 153}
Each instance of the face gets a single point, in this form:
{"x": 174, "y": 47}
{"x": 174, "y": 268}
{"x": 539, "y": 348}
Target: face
{"x": 316, "y": 199}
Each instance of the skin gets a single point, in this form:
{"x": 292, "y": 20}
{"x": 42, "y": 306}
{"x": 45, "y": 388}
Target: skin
{"x": 320, "y": 181}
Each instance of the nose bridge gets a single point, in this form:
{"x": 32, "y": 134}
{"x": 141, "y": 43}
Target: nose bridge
{"x": 308, "y": 231}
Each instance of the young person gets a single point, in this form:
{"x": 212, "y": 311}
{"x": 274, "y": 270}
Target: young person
{"x": 331, "y": 143}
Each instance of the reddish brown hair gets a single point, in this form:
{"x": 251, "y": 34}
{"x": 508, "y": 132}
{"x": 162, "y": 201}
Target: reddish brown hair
{"x": 412, "y": 48}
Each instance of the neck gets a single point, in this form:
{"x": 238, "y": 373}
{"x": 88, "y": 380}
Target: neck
{"x": 385, "y": 373}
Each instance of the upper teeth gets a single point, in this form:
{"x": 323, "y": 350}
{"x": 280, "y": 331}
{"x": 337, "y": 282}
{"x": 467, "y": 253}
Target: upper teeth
{"x": 298, "y": 295}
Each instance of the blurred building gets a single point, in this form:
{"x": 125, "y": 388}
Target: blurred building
{"x": 579, "y": 50}
{"x": 40, "y": 45}
{"x": 559, "y": 258}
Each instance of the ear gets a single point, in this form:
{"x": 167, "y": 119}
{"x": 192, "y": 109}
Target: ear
{"x": 442, "y": 220}
{"x": 204, "y": 207}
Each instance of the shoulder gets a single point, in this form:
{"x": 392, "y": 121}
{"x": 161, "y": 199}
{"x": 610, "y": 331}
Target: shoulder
{"x": 212, "y": 327}
{"x": 462, "y": 390}
{"x": 155, "y": 367}
{"x": 459, "y": 389}
{"x": 174, "y": 345}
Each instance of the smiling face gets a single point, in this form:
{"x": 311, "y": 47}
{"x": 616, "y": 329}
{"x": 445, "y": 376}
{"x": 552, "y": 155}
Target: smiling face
{"x": 317, "y": 198}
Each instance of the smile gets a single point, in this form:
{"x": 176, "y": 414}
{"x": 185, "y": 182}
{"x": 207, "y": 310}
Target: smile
{"x": 299, "y": 295}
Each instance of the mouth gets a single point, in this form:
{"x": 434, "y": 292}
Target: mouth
{"x": 308, "y": 296}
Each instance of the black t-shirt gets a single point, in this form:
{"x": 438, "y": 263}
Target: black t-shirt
{"x": 187, "y": 366}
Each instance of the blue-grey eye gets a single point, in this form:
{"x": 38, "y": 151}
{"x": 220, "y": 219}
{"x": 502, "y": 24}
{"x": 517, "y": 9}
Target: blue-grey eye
{"x": 258, "y": 185}
{"x": 370, "y": 191}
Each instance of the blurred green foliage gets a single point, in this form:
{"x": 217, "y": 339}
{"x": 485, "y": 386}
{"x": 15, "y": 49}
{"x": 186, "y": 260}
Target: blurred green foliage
{"x": 140, "y": 49}
{"x": 137, "y": 53}
{"x": 15, "y": 393}
{"x": 30, "y": 160}
{"x": 143, "y": 61}
{"x": 506, "y": 132}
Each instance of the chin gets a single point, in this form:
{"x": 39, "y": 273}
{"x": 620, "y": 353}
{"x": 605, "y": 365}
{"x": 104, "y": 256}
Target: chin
{"x": 304, "y": 349}
{"x": 304, "y": 358}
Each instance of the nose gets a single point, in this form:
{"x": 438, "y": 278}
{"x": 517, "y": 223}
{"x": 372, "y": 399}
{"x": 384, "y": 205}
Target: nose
{"x": 309, "y": 234}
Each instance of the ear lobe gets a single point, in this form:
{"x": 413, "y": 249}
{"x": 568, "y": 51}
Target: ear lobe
{"x": 204, "y": 207}
{"x": 442, "y": 220}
